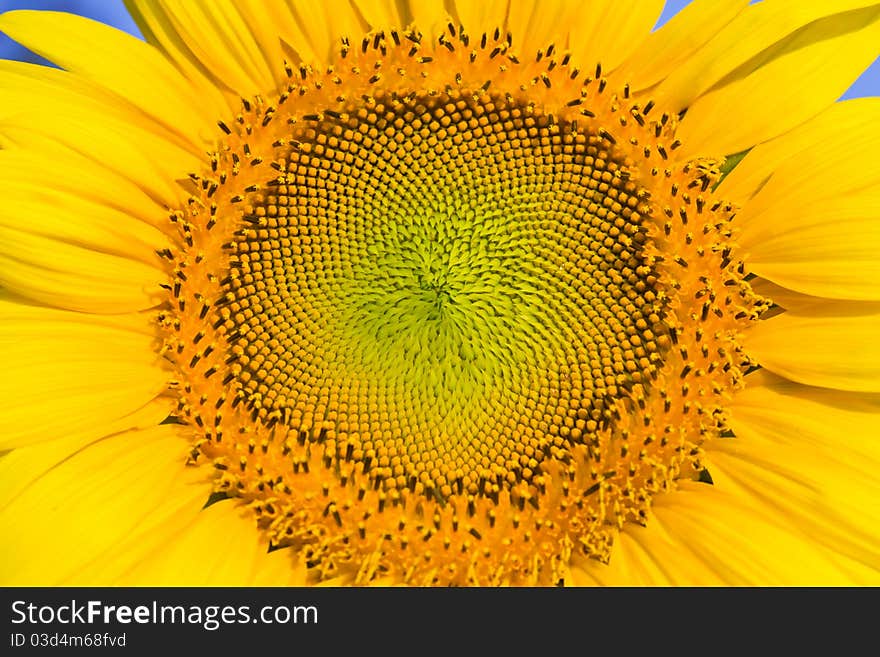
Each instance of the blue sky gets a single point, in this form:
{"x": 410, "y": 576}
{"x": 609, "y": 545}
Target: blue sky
{"x": 113, "y": 12}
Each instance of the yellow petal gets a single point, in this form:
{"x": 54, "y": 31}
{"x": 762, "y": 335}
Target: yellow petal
{"x": 601, "y": 31}
{"x": 24, "y": 83}
{"x": 784, "y": 297}
{"x": 58, "y": 114}
{"x": 66, "y": 372}
{"x": 30, "y": 206}
{"x": 479, "y": 17}
{"x": 221, "y": 546}
{"x": 78, "y": 513}
{"x": 809, "y": 458}
{"x": 702, "y": 536}
{"x": 823, "y": 248}
{"x": 805, "y": 508}
{"x": 742, "y": 547}
{"x": 25, "y": 464}
{"x": 159, "y": 30}
{"x": 645, "y": 556}
{"x": 836, "y": 425}
{"x": 536, "y": 24}
{"x": 84, "y": 178}
{"x": 62, "y": 213}
{"x": 430, "y": 16}
{"x": 844, "y": 162}
{"x": 759, "y": 33}
{"x": 322, "y": 26}
{"x": 750, "y": 108}
{"x": 608, "y": 31}
{"x": 381, "y": 14}
{"x": 69, "y": 276}
{"x": 115, "y": 60}
{"x": 217, "y": 36}
{"x": 240, "y": 48}
{"x": 851, "y": 121}
{"x": 831, "y": 345}
{"x": 675, "y": 43}
{"x": 135, "y": 156}
{"x": 312, "y": 30}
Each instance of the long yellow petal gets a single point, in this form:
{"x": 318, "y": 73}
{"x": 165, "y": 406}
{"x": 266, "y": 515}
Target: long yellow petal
{"x": 742, "y": 547}
{"x": 851, "y": 121}
{"x": 843, "y": 158}
{"x": 379, "y": 14}
{"x": 57, "y": 114}
{"x": 675, "y": 43}
{"x": 784, "y": 297}
{"x": 84, "y": 178}
{"x": 221, "y": 546}
{"x": 646, "y": 556}
{"x": 65, "y": 216}
{"x": 117, "y": 61}
{"x": 702, "y": 536}
{"x": 760, "y": 32}
{"x": 818, "y": 511}
{"x": 322, "y": 25}
{"x": 67, "y": 372}
{"x": 78, "y": 513}
{"x": 535, "y": 25}
{"x": 22, "y": 465}
{"x": 479, "y": 17}
{"x": 69, "y": 276}
{"x": 803, "y": 76}
{"x": 810, "y": 458}
{"x": 217, "y": 37}
{"x": 240, "y": 48}
{"x": 825, "y": 248}
{"x": 218, "y": 95}
{"x": 431, "y": 16}
{"x": 823, "y": 346}
{"x": 608, "y": 31}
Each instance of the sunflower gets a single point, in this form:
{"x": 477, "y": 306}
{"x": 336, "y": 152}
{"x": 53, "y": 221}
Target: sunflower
{"x": 441, "y": 293}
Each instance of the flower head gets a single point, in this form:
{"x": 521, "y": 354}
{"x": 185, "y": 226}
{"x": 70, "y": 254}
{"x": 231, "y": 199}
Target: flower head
{"x": 509, "y": 293}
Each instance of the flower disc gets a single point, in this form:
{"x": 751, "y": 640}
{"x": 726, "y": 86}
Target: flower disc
{"x": 439, "y": 298}
{"x": 423, "y": 320}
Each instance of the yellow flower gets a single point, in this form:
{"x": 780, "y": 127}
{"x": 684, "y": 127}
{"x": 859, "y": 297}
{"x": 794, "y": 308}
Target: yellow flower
{"x": 380, "y": 292}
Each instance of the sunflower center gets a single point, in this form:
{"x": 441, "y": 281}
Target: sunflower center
{"x": 446, "y": 315}
{"x": 441, "y": 287}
